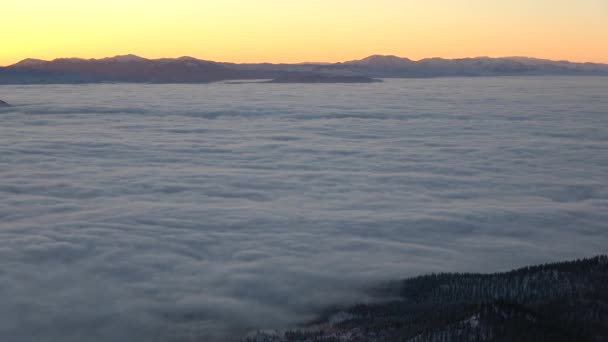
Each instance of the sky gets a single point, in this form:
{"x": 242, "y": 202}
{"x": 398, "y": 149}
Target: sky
{"x": 304, "y": 31}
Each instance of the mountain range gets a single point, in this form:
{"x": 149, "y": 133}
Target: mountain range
{"x": 135, "y": 69}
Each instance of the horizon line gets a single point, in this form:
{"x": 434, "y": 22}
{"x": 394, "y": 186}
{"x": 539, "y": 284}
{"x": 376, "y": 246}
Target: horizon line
{"x": 295, "y": 63}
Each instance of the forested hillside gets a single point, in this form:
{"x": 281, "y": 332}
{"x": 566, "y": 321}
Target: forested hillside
{"x": 566, "y": 301}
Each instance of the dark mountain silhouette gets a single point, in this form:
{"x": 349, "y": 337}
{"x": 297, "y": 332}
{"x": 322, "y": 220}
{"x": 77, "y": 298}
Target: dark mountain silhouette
{"x": 127, "y": 68}
{"x": 381, "y": 61}
{"x": 3, "y": 104}
{"x": 131, "y": 68}
{"x": 558, "y": 302}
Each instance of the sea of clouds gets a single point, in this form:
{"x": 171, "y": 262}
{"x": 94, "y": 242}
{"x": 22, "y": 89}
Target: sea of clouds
{"x": 201, "y": 212}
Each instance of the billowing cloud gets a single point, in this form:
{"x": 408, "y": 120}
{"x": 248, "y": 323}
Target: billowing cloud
{"x": 180, "y": 213}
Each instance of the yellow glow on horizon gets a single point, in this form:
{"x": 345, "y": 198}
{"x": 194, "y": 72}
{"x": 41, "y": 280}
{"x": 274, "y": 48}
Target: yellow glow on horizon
{"x": 299, "y": 31}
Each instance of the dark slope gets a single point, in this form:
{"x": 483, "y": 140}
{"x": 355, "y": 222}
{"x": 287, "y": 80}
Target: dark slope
{"x": 565, "y": 301}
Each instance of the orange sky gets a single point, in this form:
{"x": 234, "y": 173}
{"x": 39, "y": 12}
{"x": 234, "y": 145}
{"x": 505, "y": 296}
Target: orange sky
{"x": 311, "y": 30}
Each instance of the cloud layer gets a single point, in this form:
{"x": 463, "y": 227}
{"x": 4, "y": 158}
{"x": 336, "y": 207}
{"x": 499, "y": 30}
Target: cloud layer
{"x": 177, "y": 212}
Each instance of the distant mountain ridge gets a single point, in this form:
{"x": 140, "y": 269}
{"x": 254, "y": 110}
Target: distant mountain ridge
{"x": 136, "y": 69}
{"x": 392, "y": 66}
